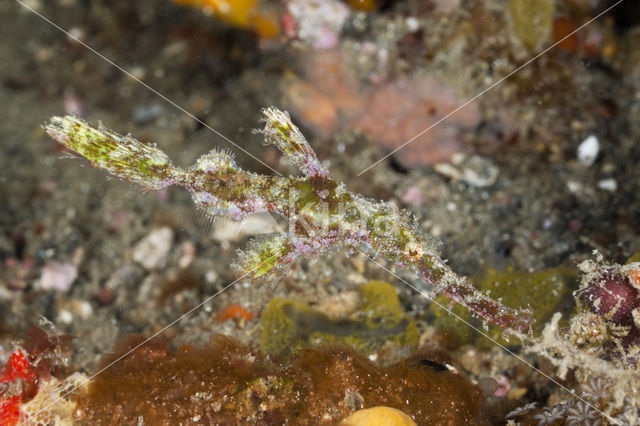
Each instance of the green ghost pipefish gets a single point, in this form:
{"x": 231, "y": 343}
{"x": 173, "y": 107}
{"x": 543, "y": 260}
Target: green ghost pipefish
{"x": 322, "y": 214}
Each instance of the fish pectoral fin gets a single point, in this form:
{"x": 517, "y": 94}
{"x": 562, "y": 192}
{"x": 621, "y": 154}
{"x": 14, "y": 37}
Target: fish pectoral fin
{"x": 265, "y": 256}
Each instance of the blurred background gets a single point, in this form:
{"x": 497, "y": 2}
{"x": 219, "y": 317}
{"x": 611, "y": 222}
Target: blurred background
{"x": 521, "y": 171}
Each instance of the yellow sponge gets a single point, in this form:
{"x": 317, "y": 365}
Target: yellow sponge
{"x": 378, "y": 416}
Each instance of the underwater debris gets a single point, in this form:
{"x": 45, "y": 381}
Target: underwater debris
{"x": 323, "y": 216}
{"x": 15, "y": 275}
{"x": 608, "y": 385}
{"x": 600, "y": 347}
{"x": 380, "y": 319}
{"x": 52, "y": 405}
{"x": 318, "y": 22}
{"x": 246, "y": 14}
{"x": 226, "y": 382}
{"x": 573, "y": 412}
{"x": 151, "y": 252}
{"x": 58, "y": 276}
{"x": 610, "y": 297}
{"x": 27, "y": 372}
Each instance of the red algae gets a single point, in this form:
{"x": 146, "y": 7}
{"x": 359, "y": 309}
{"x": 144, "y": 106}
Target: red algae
{"x": 234, "y": 312}
{"x": 26, "y": 370}
{"x": 389, "y": 113}
{"x": 226, "y": 382}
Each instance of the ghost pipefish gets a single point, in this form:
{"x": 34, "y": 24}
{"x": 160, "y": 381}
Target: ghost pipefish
{"x": 323, "y": 216}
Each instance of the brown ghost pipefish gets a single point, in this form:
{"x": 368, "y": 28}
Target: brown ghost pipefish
{"x": 323, "y": 215}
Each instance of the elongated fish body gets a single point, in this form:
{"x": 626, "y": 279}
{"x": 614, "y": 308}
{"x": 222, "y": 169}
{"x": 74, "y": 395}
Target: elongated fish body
{"x": 323, "y": 216}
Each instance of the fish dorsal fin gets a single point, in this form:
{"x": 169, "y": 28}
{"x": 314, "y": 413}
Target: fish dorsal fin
{"x": 214, "y": 160}
{"x": 207, "y": 220}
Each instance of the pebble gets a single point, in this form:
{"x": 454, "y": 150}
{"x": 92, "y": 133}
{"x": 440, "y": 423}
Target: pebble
{"x": 413, "y": 197}
{"x": 479, "y": 171}
{"x": 447, "y": 6}
{"x": 187, "y": 253}
{"x": 573, "y": 186}
{"x": 105, "y": 296}
{"x": 211, "y": 276}
{"x": 608, "y": 185}
{"x": 319, "y": 22}
{"x": 33, "y": 4}
{"x": 76, "y": 34}
{"x": 412, "y": 24}
{"x": 575, "y": 224}
{"x": 359, "y": 262}
{"x": 448, "y": 170}
{"x": 340, "y": 305}
{"x": 151, "y": 252}
{"x": 58, "y": 276}
{"x": 74, "y": 309}
{"x": 588, "y": 151}
{"x": 148, "y": 112}
{"x": 476, "y": 171}
{"x": 73, "y": 105}
{"x": 256, "y": 224}
{"x": 65, "y": 316}
{"x": 15, "y": 275}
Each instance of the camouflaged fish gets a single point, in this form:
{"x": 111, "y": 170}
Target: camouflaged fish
{"x": 322, "y": 214}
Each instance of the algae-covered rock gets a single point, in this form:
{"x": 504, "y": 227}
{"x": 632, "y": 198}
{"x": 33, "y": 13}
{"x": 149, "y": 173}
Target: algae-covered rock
{"x": 380, "y": 319}
{"x": 543, "y": 291}
{"x": 454, "y": 331}
{"x": 229, "y": 383}
{"x": 531, "y": 21}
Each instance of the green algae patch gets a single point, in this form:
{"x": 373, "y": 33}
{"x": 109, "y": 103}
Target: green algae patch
{"x": 378, "y": 321}
{"x": 531, "y": 21}
{"x": 453, "y": 331}
{"x": 544, "y": 291}
{"x": 633, "y": 259}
